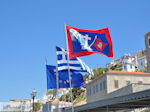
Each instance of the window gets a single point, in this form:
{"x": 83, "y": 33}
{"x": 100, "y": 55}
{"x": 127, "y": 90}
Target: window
{"x": 116, "y": 83}
{"x": 101, "y": 86}
{"x": 104, "y": 84}
{"x": 87, "y": 92}
{"x": 130, "y": 66}
{"x": 127, "y": 82}
{"x": 96, "y": 88}
{"x": 125, "y": 68}
{"x": 141, "y": 63}
{"x": 90, "y": 92}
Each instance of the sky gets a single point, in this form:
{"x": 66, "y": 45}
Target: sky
{"x": 29, "y": 30}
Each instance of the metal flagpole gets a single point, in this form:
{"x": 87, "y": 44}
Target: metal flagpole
{"x": 47, "y": 88}
{"x": 57, "y": 79}
{"x": 69, "y": 70}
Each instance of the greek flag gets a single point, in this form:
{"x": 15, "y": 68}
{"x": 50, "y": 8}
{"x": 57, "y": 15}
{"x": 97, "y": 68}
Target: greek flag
{"x": 75, "y": 64}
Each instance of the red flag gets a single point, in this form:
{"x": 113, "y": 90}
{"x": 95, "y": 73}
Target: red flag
{"x": 83, "y": 42}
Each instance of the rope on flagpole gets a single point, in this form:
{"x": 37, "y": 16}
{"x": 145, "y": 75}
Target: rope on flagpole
{"x": 69, "y": 70}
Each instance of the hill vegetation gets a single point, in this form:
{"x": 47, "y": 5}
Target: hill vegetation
{"x": 79, "y": 94}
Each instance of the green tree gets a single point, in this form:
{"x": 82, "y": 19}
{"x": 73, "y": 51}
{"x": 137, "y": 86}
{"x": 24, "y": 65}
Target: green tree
{"x": 81, "y": 97}
{"x": 75, "y": 93}
{"x": 65, "y": 97}
{"x": 143, "y": 53}
{"x": 49, "y": 92}
{"x": 145, "y": 67}
{"x": 37, "y": 106}
{"x": 99, "y": 71}
{"x": 117, "y": 67}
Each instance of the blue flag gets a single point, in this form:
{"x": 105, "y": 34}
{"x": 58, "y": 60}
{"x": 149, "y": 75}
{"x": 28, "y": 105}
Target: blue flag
{"x": 75, "y": 64}
{"x": 76, "y": 78}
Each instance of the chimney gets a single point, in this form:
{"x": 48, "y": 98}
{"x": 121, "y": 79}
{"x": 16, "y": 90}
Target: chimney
{"x": 147, "y": 45}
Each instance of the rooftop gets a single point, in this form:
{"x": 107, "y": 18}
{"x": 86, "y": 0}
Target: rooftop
{"x": 135, "y": 100}
{"x": 118, "y": 73}
{"x": 16, "y": 100}
{"x": 27, "y": 99}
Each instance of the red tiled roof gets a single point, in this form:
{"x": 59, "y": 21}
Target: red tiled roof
{"x": 15, "y": 99}
{"x": 129, "y": 73}
{"x": 119, "y": 72}
{"x": 27, "y": 99}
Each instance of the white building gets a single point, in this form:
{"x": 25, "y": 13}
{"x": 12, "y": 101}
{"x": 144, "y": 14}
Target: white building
{"x": 130, "y": 63}
{"x": 129, "y": 67}
{"x": 54, "y": 105}
{"x": 19, "y": 105}
{"x": 2, "y": 106}
{"x": 27, "y": 105}
{"x": 141, "y": 62}
{"x": 46, "y": 97}
{"x": 61, "y": 92}
{"x": 13, "y": 105}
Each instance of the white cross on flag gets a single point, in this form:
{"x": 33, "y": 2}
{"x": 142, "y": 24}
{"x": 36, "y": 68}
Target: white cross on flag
{"x": 75, "y": 64}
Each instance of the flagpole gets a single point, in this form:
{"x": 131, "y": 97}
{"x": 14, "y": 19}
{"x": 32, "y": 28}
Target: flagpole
{"x": 57, "y": 79}
{"x": 47, "y": 88}
{"x": 69, "y": 69}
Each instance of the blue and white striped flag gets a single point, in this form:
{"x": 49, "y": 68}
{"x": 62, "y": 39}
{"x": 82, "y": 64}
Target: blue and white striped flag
{"x": 75, "y": 64}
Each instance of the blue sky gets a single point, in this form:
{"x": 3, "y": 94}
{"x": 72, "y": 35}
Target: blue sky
{"x": 29, "y": 30}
